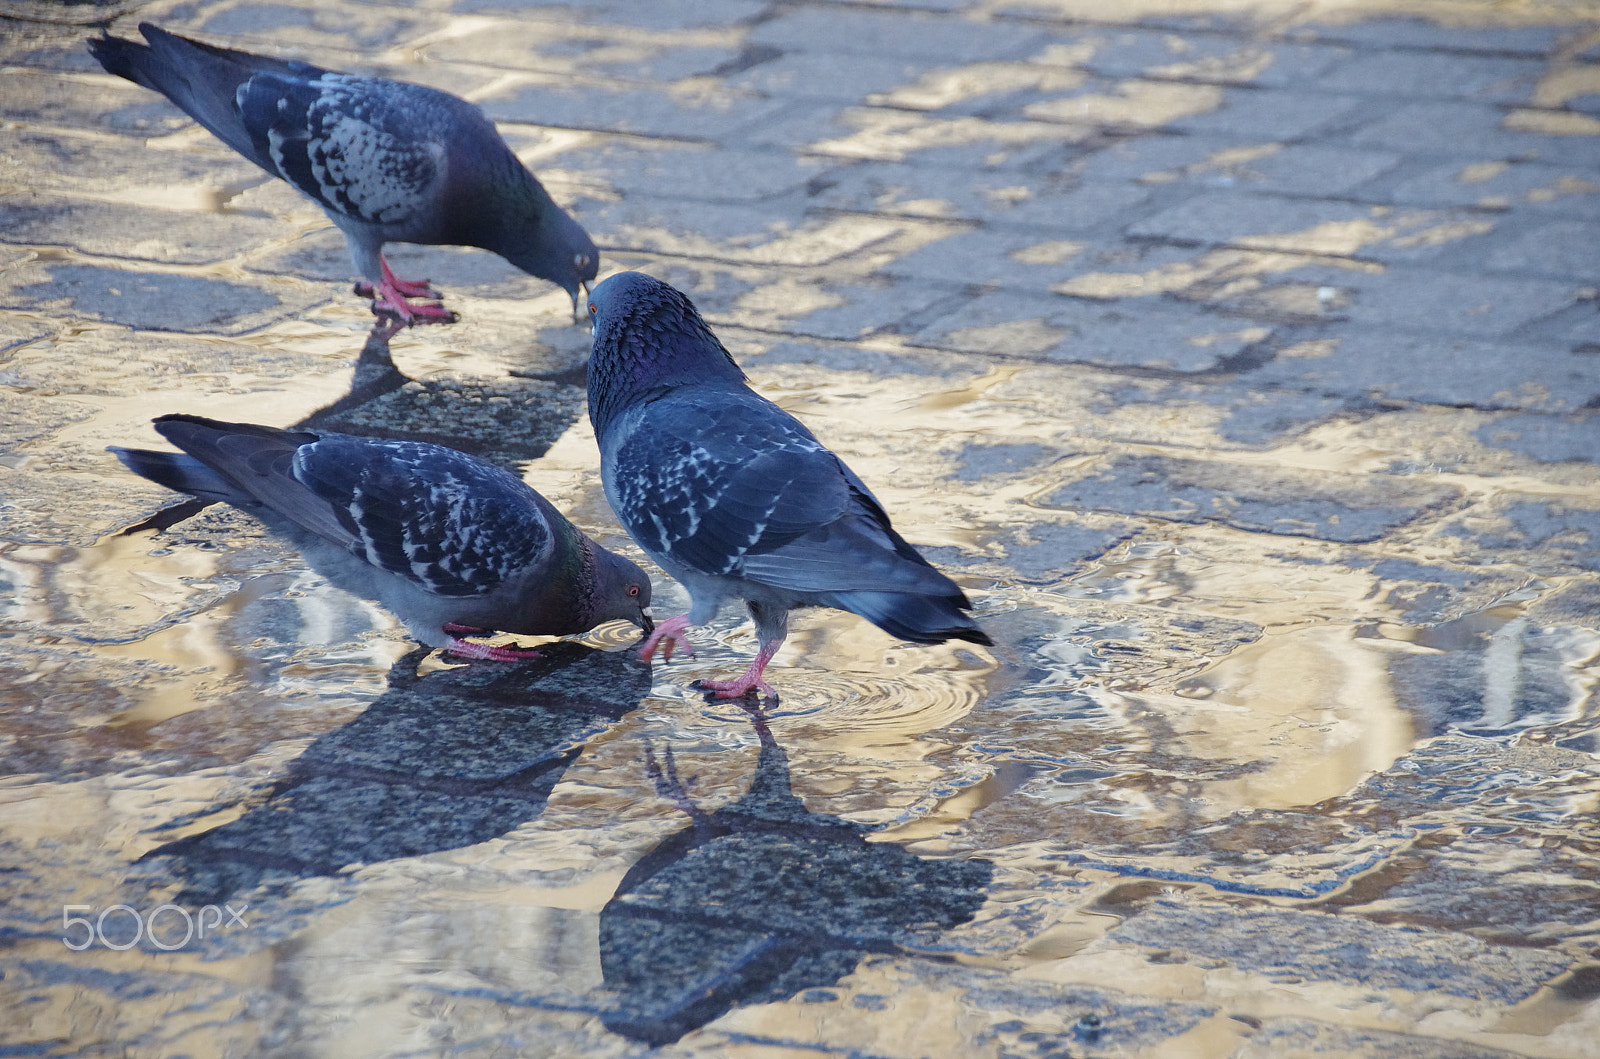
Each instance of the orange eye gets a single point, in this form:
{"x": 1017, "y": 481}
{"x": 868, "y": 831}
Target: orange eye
{"x": 592, "y": 309}
{"x": 633, "y": 590}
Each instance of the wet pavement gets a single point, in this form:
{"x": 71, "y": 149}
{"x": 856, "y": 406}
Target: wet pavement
{"x": 1239, "y": 358}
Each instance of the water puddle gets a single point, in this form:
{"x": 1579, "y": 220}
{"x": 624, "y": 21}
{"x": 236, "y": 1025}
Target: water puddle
{"x": 1148, "y": 708}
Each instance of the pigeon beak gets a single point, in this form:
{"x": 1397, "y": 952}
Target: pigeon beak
{"x": 647, "y": 621}
{"x": 576, "y": 318}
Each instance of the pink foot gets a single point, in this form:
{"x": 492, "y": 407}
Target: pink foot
{"x": 668, "y": 634}
{"x": 409, "y": 314}
{"x": 484, "y": 652}
{"x": 735, "y": 689}
{"x": 390, "y": 294}
{"x": 465, "y": 630}
{"x": 419, "y": 288}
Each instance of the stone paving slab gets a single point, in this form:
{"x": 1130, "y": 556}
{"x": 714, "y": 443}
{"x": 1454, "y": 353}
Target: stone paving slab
{"x": 1351, "y": 951}
{"x": 1440, "y": 369}
{"x": 151, "y": 300}
{"x": 557, "y": 101}
{"x": 914, "y": 34}
{"x": 1438, "y": 75}
{"x": 1569, "y": 528}
{"x": 1091, "y": 332}
{"x": 122, "y": 230}
{"x": 1398, "y": 32}
{"x": 346, "y": 27}
{"x": 89, "y": 164}
{"x": 683, "y": 171}
{"x": 1285, "y": 115}
{"x": 1264, "y": 501}
{"x": 669, "y": 14}
{"x": 627, "y": 55}
{"x": 1461, "y": 130}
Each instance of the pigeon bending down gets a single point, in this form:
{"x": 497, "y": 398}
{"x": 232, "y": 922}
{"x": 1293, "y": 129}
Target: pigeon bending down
{"x": 449, "y": 543}
{"x": 389, "y": 161}
{"x": 735, "y": 498}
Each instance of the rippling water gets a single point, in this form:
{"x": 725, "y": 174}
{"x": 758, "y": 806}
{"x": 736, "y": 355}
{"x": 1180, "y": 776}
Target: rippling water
{"x": 1204, "y": 713}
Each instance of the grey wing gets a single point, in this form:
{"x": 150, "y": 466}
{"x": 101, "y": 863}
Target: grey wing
{"x": 855, "y": 553}
{"x": 705, "y": 481}
{"x": 365, "y": 148}
{"x": 451, "y": 523}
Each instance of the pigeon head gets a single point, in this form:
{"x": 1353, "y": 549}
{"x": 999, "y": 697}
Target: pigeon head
{"x": 648, "y": 336}
{"x": 615, "y": 590}
{"x": 554, "y": 247}
{"x": 502, "y": 207}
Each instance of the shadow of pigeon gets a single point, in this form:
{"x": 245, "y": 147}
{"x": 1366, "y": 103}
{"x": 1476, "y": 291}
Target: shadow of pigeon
{"x": 506, "y": 421}
{"x": 762, "y": 900}
{"x": 437, "y": 762}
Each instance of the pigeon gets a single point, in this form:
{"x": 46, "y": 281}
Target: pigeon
{"x": 734, "y": 497}
{"x": 449, "y": 543}
{"x": 388, "y": 161}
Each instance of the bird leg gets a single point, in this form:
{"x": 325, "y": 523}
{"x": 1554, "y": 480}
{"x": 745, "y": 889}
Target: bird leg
{"x": 482, "y": 651}
{"x": 389, "y": 296}
{"x": 668, "y": 634}
{"x": 464, "y": 630}
{"x": 734, "y": 689}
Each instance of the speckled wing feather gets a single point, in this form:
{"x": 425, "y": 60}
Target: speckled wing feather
{"x": 440, "y": 518}
{"x": 727, "y": 483}
{"x": 366, "y": 149}
{"x": 455, "y": 525}
{"x": 705, "y": 479}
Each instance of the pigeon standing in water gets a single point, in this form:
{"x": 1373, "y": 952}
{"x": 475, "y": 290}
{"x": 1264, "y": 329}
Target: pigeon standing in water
{"x": 449, "y": 543}
{"x": 388, "y": 161}
{"x": 735, "y": 498}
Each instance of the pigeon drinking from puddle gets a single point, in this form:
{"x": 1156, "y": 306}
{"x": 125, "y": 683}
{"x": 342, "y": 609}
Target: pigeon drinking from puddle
{"x": 733, "y": 496}
{"x": 447, "y": 542}
{"x": 388, "y": 161}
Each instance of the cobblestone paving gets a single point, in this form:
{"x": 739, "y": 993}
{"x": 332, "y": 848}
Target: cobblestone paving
{"x": 1241, "y": 358}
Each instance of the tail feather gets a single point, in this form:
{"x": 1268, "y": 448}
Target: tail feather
{"x": 182, "y": 473}
{"x": 125, "y": 58}
{"x": 920, "y": 619}
{"x": 215, "y": 455}
{"x": 201, "y": 79}
{"x": 218, "y": 442}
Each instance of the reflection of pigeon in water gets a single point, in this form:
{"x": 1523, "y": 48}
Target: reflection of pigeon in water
{"x": 733, "y": 496}
{"x": 389, "y": 161}
{"x": 449, "y": 543}
{"x": 762, "y": 900}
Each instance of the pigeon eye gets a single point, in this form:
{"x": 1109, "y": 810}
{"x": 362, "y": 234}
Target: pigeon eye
{"x": 633, "y": 590}
{"x": 581, "y": 261}
{"x": 592, "y": 309}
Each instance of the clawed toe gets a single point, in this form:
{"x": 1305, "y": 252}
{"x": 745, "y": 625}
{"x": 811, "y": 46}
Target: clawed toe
{"x": 736, "y": 689}
{"x": 414, "y": 314}
{"x": 482, "y": 652}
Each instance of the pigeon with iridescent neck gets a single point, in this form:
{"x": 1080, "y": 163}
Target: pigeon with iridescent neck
{"x": 390, "y": 162}
{"x": 450, "y": 544}
{"x": 733, "y": 496}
